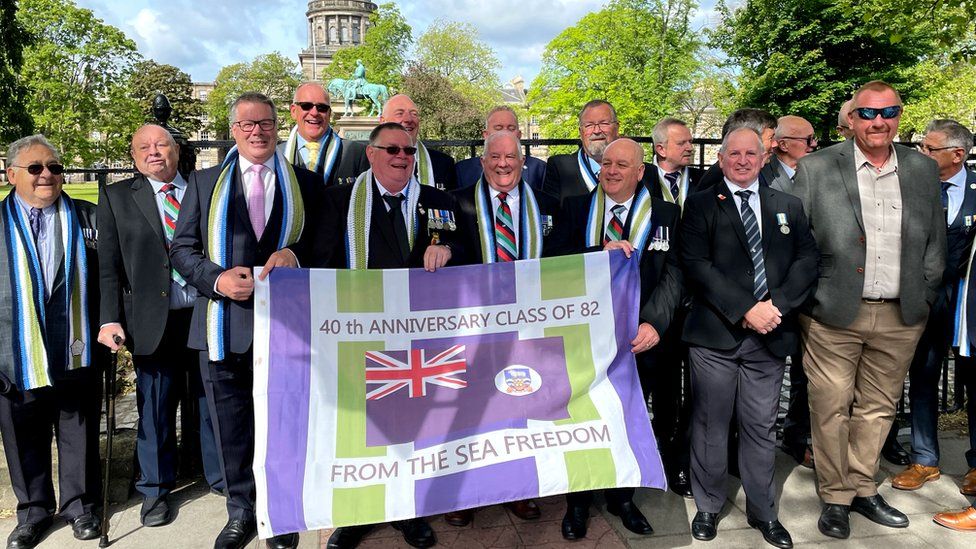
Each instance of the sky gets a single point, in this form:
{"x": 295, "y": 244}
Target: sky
{"x": 201, "y": 37}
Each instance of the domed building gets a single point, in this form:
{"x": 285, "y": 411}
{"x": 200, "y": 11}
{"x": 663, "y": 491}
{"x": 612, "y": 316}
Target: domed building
{"x": 332, "y": 24}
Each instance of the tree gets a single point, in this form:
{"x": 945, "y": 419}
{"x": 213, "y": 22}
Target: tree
{"x": 453, "y": 51}
{"x": 272, "y": 74}
{"x": 15, "y": 121}
{"x": 150, "y": 78}
{"x": 944, "y": 20}
{"x": 385, "y": 44}
{"x": 70, "y": 69}
{"x": 445, "y": 111}
{"x": 708, "y": 99}
{"x": 637, "y": 54}
{"x": 946, "y": 90}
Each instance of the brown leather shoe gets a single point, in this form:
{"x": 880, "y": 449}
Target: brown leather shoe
{"x": 459, "y": 518}
{"x": 914, "y": 477}
{"x": 964, "y": 521}
{"x": 969, "y": 483}
{"x": 525, "y": 509}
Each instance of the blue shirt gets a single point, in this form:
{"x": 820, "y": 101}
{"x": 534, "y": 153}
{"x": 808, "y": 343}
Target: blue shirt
{"x": 46, "y": 247}
{"x": 180, "y": 297}
{"x": 957, "y": 193}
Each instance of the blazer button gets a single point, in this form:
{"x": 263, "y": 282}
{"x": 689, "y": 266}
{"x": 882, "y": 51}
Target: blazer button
{"x": 860, "y": 270}
{"x": 164, "y": 293}
{"x": 750, "y": 272}
{"x": 861, "y": 240}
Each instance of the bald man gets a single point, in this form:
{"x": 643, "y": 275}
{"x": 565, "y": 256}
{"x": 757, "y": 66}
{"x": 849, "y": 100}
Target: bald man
{"x": 431, "y": 167}
{"x": 843, "y": 124}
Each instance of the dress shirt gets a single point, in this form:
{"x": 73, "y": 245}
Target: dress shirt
{"x": 881, "y": 209}
{"x": 957, "y": 193}
{"x": 790, "y": 172}
{"x": 403, "y": 203}
{"x": 46, "y": 247}
{"x": 269, "y": 182}
{"x": 180, "y": 297}
{"x": 513, "y": 204}
{"x": 595, "y": 166}
{"x": 302, "y": 149}
{"x": 753, "y": 200}
{"x": 608, "y": 214}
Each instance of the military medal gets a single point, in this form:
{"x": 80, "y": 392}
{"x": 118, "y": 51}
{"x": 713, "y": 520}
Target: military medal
{"x": 546, "y": 225}
{"x": 783, "y": 226}
{"x": 666, "y": 243}
{"x": 968, "y": 221}
{"x": 972, "y": 185}
{"x": 450, "y": 225}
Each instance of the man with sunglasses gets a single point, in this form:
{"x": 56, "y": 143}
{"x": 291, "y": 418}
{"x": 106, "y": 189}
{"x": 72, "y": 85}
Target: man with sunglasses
{"x": 794, "y": 139}
{"x": 431, "y": 167}
{"x": 875, "y": 210}
{"x": 49, "y": 363}
{"x": 313, "y": 144}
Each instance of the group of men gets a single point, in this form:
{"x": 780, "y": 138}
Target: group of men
{"x": 844, "y": 262}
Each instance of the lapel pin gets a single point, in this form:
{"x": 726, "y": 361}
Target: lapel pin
{"x": 721, "y": 197}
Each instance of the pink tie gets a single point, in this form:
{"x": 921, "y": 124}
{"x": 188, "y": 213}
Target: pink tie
{"x": 255, "y": 200}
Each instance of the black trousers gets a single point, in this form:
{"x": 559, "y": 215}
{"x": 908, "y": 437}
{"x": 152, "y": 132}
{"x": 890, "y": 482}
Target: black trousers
{"x": 68, "y": 410}
{"x": 614, "y": 496}
{"x": 228, "y": 386}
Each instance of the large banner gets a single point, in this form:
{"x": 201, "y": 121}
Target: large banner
{"x": 385, "y": 395}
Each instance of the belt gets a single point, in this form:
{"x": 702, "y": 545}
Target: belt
{"x": 879, "y": 301}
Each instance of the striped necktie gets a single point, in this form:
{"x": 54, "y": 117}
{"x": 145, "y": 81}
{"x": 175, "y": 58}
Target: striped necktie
{"x": 615, "y": 230}
{"x": 755, "y": 244}
{"x": 313, "y": 154}
{"x": 171, "y": 212}
{"x": 673, "y": 184}
{"x": 505, "y": 247}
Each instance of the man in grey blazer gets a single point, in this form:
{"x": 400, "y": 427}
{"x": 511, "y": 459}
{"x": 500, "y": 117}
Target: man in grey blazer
{"x": 794, "y": 139}
{"x": 875, "y": 211}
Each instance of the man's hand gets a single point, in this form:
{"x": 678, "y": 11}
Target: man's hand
{"x": 763, "y": 317}
{"x": 647, "y": 337}
{"x": 436, "y": 256}
{"x": 627, "y": 247}
{"x": 236, "y": 283}
{"x": 108, "y": 333}
{"x": 282, "y": 258}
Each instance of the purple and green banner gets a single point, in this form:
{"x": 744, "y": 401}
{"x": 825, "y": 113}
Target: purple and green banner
{"x": 383, "y": 395}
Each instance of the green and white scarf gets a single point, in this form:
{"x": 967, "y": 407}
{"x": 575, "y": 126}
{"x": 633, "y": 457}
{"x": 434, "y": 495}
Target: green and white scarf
{"x": 220, "y": 237}
{"x": 530, "y": 224}
{"x": 360, "y": 213}
{"x": 425, "y": 168}
{"x": 639, "y": 217}
{"x": 32, "y": 369}
{"x": 330, "y": 146}
{"x": 666, "y": 186}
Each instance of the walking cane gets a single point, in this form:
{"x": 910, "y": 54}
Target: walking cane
{"x": 111, "y": 376}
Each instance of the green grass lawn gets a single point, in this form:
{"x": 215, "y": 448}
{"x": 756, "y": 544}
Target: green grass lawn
{"x": 82, "y": 191}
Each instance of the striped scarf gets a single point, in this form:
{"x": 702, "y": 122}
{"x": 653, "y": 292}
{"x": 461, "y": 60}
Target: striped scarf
{"x": 220, "y": 237}
{"x": 639, "y": 218}
{"x": 589, "y": 178}
{"x": 360, "y": 213}
{"x": 330, "y": 146}
{"x": 530, "y": 225}
{"x": 32, "y": 369}
{"x": 425, "y": 168}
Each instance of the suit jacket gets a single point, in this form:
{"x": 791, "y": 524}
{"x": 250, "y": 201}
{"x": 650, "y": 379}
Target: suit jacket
{"x": 563, "y": 177}
{"x": 959, "y": 238}
{"x": 826, "y": 181}
{"x": 352, "y": 162}
{"x": 719, "y": 272}
{"x": 660, "y": 275}
{"x": 653, "y": 181}
{"x": 469, "y": 171}
{"x": 775, "y": 175}
{"x": 468, "y": 234}
{"x": 384, "y": 251}
{"x": 445, "y": 176}
{"x": 190, "y": 256}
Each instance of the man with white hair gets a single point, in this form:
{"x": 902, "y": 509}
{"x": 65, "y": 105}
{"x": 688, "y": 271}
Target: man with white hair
{"x": 501, "y": 119}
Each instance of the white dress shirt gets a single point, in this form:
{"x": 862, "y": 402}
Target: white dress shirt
{"x": 513, "y": 204}
{"x": 753, "y": 200}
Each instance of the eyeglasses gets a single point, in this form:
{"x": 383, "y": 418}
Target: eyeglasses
{"x": 593, "y": 126}
{"x": 307, "y": 106}
{"x": 267, "y": 124}
{"x": 36, "y": 169}
{"x": 870, "y": 113}
{"x": 394, "y": 150}
{"x": 926, "y": 149}
{"x": 810, "y": 140}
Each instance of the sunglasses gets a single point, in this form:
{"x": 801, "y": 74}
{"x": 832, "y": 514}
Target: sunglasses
{"x": 810, "y": 140}
{"x": 870, "y": 113}
{"x": 307, "y": 106}
{"x": 36, "y": 169}
{"x": 394, "y": 150}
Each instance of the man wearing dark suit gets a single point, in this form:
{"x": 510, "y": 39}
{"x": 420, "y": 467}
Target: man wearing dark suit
{"x": 146, "y": 305}
{"x": 256, "y": 192}
{"x": 618, "y": 211}
{"x": 674, "y": 179}
{"x": 431, "y": 167}
{"x": 880, "y": 227}
{"x": 948, "y": 143}
{"x": 760, "y": 121}
{"x": 49, "y": 368}
{"x": 314, "y": 145}
{"x": 578, "y": 174}
{"x": 400, "y": 234}
{"x": 749, "y": 260}
{"x": 501, "y": 119}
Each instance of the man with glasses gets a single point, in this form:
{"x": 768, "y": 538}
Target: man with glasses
{"x": 794, "y": 139}
{"x": 431, "y": 167}
{"x": 880, "y": 227}
{"x": 313, "y": 144}
{"x": 253, "y": 210}
{"x": 49, "y": 363}
{"x": 578, "y": 173}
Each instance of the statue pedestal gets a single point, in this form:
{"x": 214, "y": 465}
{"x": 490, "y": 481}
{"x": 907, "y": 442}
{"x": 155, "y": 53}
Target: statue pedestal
{"x": 356, "y": 128}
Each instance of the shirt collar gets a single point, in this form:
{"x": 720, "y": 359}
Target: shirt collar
{"x": 405, "y": 191}
{"x": 49, "y": 210}
{"x": 958, "y": 180}
{"x": 786, "y": 169}
{"x": 246, "y": 164}
{"x": 860, "y": 159}
{"x": 594, "y": 165}
{"x": 158, "y": 185}
{"x": 626, "y": 203}
{"x": 512, "y": 194}
{"x": 754, "y": 187}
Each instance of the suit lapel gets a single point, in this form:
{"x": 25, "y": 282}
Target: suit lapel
{"x": 767, "y": 205}
{"x": 848, "y": 172}
{"x": 142, "y": 195}
{"x": 968, "y": 206}
{"x": 726, "y": 203}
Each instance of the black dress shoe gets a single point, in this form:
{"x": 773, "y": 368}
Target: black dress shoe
{"x": 284, "y": 541}
{"x": 27, "y": 536}
{"x": 703, "y": 526}
{"x": 893, "y": 452}
{"x": 835, "y": 521}
{"x": 876, "y": 509}
{"x": 236, "y": 534}
{"x": 773, "y": 532}
{"x": 574, "y": 523}
{"x": 416, "y": 532}
{"x": 681, "y": 484}
{"x": 348, "y": 537}
{"x": 86, "y": 526}
{"x": 632, "y": 518}
{"x": 155, "y": 512}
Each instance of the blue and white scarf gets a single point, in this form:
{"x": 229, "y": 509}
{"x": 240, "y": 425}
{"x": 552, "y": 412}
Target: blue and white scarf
{"x": 530, "y": 224}
{"x": 639, "y": 217}
{"x": 330, "y": 147}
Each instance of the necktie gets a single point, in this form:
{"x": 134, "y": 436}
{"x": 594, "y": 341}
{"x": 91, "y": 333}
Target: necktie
{"x": 313, "y": 154}
{"x": 255, "y": 200}
{"x": 615, "y": 229}
{"x": 171, "y": 211}
{"x": 945, "y": 196}
{"x": 505, "y": 247}
{"x": 399, "y": 225}
{"x": 673, "y": 183}
{"x": 755, "y": 244}
{"x": 35, "y": 222}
